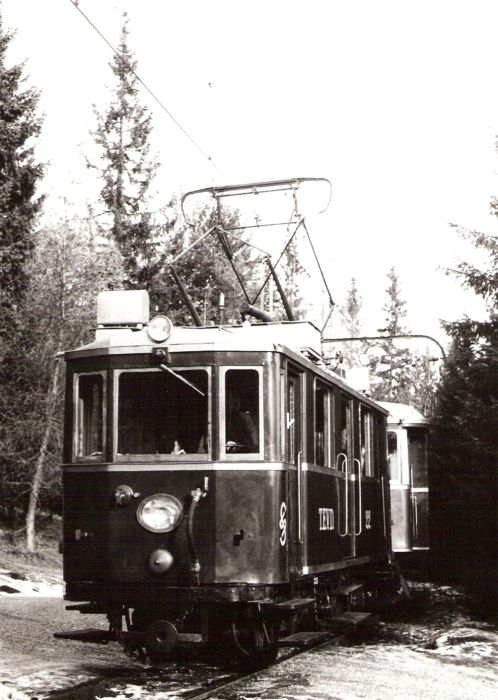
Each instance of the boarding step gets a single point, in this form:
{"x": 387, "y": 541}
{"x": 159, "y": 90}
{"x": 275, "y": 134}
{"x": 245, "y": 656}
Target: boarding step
{"x": 347, "y": 590}
{"x": 344, "y": 622}
{"x": 302, "y": 639}
{"x": 295, "y": 604}
{"x": 89, "y": 635}
{"x": 89, "y": 608}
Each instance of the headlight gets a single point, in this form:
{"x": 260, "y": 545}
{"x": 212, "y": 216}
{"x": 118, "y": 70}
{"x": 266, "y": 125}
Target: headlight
{"x": 159, "y": 329}
{"x": 159, "y": 513}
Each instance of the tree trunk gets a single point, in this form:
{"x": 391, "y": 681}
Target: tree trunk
{"x": 40, "y": 461}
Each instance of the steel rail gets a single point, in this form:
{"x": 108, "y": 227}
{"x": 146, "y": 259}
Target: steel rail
{"x": 93, "y": 689}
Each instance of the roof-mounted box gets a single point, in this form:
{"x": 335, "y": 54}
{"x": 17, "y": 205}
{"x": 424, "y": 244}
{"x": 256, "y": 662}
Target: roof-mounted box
{"x": 123, "y": 308}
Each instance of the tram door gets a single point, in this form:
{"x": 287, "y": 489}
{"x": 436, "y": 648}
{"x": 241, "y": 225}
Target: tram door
{"x": 344, "y": 464}
{"x": 370, "y": 525}
{"x": 294, "y": 457}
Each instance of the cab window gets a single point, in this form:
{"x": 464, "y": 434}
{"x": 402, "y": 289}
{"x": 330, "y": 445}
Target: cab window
{"x": 163, "y": 413}
{"x": 89, "y": 442}
{"x": 242, "y": 411}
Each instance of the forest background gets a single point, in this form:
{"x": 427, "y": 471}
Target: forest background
{"x": 52, "y": 270}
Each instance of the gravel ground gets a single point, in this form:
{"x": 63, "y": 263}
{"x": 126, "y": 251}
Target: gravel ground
{"x": 431, "y": 648}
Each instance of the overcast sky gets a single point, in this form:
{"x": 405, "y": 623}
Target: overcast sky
{"x": 394, "y": 101}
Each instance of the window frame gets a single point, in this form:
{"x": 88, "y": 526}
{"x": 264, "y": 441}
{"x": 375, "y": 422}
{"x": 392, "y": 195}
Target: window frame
{"x": 343, "y": 398}
{"x": 328, "y": 418}
{"x": 367, "y": 430}
{"x": 397, "y": 434}
{"x": 161, "y": 457}
{"x": 77, "y": 417}
{"x": 239, "y": 456}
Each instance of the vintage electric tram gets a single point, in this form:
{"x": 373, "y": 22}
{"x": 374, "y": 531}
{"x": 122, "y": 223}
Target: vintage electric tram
{"x": 222, "y": 486}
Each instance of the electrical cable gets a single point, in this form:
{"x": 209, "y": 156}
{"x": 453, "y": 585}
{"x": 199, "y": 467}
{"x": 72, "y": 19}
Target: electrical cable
{"x": 127, "y": 65}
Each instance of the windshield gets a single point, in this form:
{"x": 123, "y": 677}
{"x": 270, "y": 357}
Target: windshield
{"x": 161, "y": 413}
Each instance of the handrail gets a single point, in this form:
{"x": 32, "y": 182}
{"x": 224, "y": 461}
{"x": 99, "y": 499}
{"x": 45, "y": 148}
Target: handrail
{"x": 383, "y": 506}
{"x": 346, "y": 495}
{"x": 415, "y": 517}
{"x": 299, "y": 497}
{"x": 360, "y": 530}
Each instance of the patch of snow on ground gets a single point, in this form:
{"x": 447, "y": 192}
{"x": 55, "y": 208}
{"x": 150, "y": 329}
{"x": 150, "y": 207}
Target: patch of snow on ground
{"x": 12, "y": 583}
{"x": 11, "y": 693}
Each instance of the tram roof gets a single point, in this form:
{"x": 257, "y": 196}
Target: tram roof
{"x": 124, "y": 329}
{"x": 300, "y": 340}
{"x": 300, "y": 336}
{"x": 403, "y": 414}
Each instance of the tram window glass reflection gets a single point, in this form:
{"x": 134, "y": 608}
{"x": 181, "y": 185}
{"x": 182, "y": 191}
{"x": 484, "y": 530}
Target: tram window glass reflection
{"x": 322, "y": 420}
{"x": 417, "y": 455}
{"x": 292, "y": 393}
{"x": 90, "y": 416}
{"x": 343, "y": 434}
{"x": 242, "y": 411}
{"x": 163, "y": 413}
{"x": 366, "y": 442}
{"x": 393, "y": 456}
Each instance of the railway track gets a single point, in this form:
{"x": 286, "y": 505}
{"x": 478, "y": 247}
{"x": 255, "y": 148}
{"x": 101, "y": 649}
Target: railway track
{"x": 199, "y": 680}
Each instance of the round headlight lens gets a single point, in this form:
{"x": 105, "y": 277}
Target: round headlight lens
{"x": 159, "y": 329}
{"x": 159, "y": 513}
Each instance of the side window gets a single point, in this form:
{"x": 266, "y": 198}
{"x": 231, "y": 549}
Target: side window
{"x": 242, "y": 411}
{"x": 343, "y": 434}
{"x": 89, "y": 416}
{"x": 417, "y": 455}
{"x": 393, "y": 456}
{"x": 322, "y": 425}
{"x": 367, "y": 457}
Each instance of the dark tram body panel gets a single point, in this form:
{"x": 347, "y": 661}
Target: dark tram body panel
{"x": 216, "y": 466}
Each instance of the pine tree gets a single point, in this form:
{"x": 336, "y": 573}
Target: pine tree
{"x": 127, "y": 169}
{"x": 19, "y": 207}
{"x": 19, "y": 175}
{"x": 205, "y": 272}
{"x": 391, "y": 374}
{"x": 465, "y": 439}
{"x": 353, "y": 352}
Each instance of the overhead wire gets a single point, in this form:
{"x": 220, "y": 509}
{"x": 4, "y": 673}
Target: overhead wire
{"x": 75, "y": 3}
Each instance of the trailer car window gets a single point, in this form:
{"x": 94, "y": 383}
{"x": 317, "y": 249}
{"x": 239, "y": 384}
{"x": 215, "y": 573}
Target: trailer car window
{"x": 417, "y": 454}
{"x": 393, "y": 456}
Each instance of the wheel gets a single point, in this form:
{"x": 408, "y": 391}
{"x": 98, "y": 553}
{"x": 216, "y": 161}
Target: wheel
{"x": 254, "y": 643}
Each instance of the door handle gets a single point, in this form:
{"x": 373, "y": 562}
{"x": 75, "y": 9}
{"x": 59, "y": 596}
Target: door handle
{"x": 383, "y": 505}
{"x": 299, "y": 498}
{"x": 346, "y": 495}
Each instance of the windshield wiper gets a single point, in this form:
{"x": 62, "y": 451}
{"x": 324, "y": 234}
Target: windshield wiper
{"x": 179, "y": 376}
